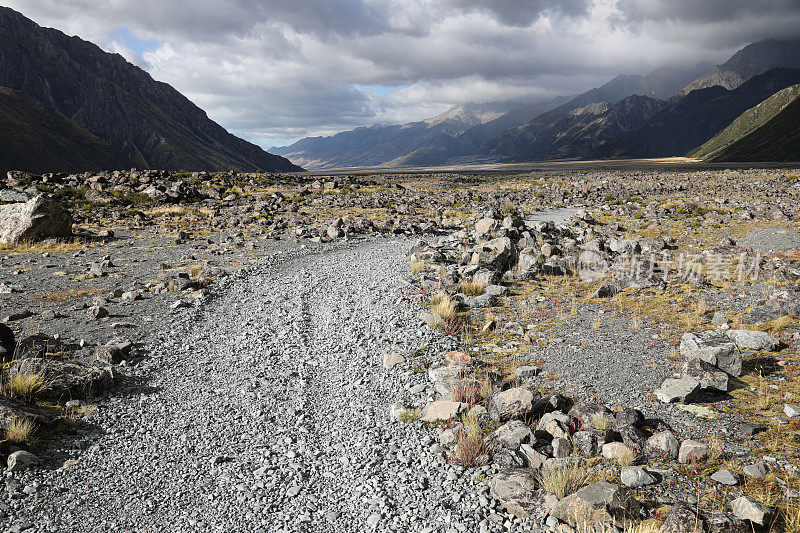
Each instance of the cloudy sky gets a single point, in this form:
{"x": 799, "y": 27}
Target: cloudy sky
{"x": 274, "y": 71}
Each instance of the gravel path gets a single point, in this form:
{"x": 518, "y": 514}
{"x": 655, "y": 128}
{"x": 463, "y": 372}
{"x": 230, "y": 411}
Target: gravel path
{"x": 771, "y": 240}
{"x": 266, "y": 411}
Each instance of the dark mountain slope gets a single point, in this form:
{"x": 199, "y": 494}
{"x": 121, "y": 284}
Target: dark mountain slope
{"x": 750, "y": 61}
{"x": 574, "y": 135}
{"x": 37, "y": 139}
{"x": 696, "y": 118}
{"x": 151, "y": 122}
{"x": 768, "y": 132}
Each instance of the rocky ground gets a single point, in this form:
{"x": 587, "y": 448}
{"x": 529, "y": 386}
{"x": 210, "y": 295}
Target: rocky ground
{"x": 263, "y": 352}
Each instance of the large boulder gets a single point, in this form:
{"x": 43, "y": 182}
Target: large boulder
{"x": 63, "y": 380}
{"x": 713, "y": 347}
{"x": 598, "y": 503}
{"x": 35, "y": 220}
{"x": 518, "y": 491}
{"x": 511, "y": 435}
{"x": 753, "y": 340}
{"x": 512, "y": 403}
{"x": 709, "y": 376}
{"x": 494, "y": 254}
{"x": 443, "y": 411}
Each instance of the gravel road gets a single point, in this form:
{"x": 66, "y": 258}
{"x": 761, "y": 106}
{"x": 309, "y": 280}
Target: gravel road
{"x": 266, "y": 411}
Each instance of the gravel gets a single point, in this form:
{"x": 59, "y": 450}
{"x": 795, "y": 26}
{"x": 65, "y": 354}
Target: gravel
{"x": 266, "y": 409}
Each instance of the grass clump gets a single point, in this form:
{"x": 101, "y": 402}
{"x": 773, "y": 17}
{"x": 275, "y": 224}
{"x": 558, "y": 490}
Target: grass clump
{"x": 470, "y": 449}
{"x": 563, "y": 480}
{"x": 417, "y": 266}
{"x": 443, "y": 305}
{"x": 410, "y": 415}
{"x": 24, "y": 387}
{"x": 19, "y": 431}
{"x": 602, "y": 421}
{"x": 509, "y": 208}
{"x": 471, "y": 288}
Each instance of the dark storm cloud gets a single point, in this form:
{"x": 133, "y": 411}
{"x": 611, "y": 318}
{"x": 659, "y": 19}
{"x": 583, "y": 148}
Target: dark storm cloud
{"x": 290, "y": 68}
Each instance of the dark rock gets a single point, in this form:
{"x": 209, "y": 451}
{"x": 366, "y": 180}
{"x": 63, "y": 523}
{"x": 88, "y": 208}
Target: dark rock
{"x": 682, "y": 519}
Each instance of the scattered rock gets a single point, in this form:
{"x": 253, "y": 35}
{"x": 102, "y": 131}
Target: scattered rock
{"x": 598, "y": 503}
{"x": 21, "y": 460}
{"x": 692, "y": 451}
{"x": 747, "y": 508}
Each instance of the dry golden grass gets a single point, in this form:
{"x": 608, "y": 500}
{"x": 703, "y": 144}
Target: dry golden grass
{"x": 24, "y": 387}
{"x": 471, "y": 288}
{"x": 443, "y": 306}
{"x": 49, "y": 246}
{"x": 715, "y": 452}
{"x": 601, "y": 421}
{"x": 19, "y": 431}
{"x": 70, "y": 295}
{"x": 417, "y": 266}
{"x": 627, "y": 457}
{"x": 470, "y": 448}
{"x": 563, "y": 480}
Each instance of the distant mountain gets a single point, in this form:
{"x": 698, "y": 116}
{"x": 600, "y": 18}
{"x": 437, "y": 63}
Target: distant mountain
{"x": 696, "y": 118}
{"x": 458, "y": 135}
{"x": 384, "y": 145}
{"x": 750, "y": 61}
{"x": 34, "y": 138}
{"x": 575, "y": 134}
{"x": 151, "y": 123}
{"x": 769, "y": 131}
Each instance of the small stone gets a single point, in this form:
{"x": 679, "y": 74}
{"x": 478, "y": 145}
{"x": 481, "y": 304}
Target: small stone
{"x": 617, "y": 450}
{"x": 390, "y": 360}
{"x": 663, "y": 445}
{"x": 755, "y": 470}
{"x": 682, "y": 519}
{"x": 725, "y": 477}
{"x": 748, "y": 509}
{"x": 443, "y": 410}
{"x": 692, "y": 450}
{"x": 21, "y": 460}
{"x": 677, "y": 389}
{"x": 636, "y": 476}
{"x": 97, "y": 312}
{"x": 792, "y": 411}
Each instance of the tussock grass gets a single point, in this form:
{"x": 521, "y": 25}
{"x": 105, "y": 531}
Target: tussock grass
{"x": 627, "y": 456}
{"x": 417, "y": 266}
{"x": 466, "y": 391}
{"x": 563, "y": 480}
{"x": 443, "y": 305}
{"x": 471, "y": 288}
{"x": 24, "y": 387}
{"x": 470, "y": 448}
{"x": 509, "y": 208}
{"x": 19, "y": 431}
{"x": 410, "y": 415}
{"x": 601, "y": 421}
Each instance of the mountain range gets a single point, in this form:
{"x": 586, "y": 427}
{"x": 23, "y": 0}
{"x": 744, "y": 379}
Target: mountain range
{"x": 106, "y": 100}
{"x": 667, "y": 112}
